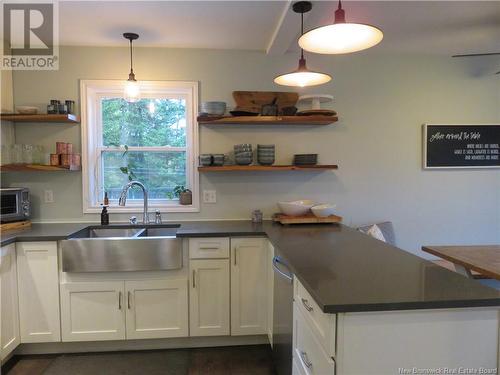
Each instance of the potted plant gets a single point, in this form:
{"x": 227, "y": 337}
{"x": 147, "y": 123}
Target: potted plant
{"x": 185, "y": 195}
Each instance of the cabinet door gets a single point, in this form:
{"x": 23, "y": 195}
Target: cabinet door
{"x": 248, "y": 286}
{"x": 156, "y": 308}
{"x": 209, "y": 297}
{"x": 270, "y": 291}
{"x": 9, "y": 301}
{"x": 38, "y": 283}
{"x": 93, "y": 311}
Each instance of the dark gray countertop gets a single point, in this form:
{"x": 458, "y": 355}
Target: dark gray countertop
{"x": 343, "y": 270}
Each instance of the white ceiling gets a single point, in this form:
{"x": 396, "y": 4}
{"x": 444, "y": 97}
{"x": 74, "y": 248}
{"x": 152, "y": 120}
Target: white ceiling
{"x": 439, "y": 27}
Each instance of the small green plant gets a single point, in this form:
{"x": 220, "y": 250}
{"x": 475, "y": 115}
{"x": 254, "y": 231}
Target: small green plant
{"x": 128, "y": 169}
{"x": 177, "y": 191}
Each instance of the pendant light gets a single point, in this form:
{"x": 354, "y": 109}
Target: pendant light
{"x": 132, "y": 91}
{"x": 302, "y": 76}
{"x": 341, "y": 36}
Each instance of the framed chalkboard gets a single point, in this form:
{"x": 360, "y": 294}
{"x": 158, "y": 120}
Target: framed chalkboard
{"x": 461, "y": 146}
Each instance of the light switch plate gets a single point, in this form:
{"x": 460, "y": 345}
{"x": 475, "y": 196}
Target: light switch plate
{"x": 209, "y": 196}
{"x": 48, "y": 196}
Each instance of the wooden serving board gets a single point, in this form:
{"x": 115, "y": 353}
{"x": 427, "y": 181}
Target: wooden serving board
{"x": 16, "y": 225}
{"x": 306, "y": 219}
{"x": 254, "y": 100}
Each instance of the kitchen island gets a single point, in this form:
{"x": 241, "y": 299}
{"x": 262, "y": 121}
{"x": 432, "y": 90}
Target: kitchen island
{"x": 360, "y": 305}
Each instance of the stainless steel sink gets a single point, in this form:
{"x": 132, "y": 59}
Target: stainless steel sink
{"x": 114, "y": 232}
{"x": 96, "y": 249}
{"x": 159, "y": 232}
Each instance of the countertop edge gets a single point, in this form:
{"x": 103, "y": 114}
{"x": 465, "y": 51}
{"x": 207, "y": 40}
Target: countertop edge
{"x": 326, "y": 308}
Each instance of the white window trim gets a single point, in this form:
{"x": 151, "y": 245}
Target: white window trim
{"x": 90, "y": 90}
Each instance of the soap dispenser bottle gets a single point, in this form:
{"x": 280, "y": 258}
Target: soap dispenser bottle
{"x": 104, "y": 216}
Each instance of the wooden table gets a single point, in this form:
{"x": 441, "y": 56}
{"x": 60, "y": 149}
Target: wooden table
{"x": 484, "y": 259}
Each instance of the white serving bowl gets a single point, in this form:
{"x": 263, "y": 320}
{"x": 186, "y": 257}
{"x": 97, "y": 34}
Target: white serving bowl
{"x": 323, "y": 210}
{"x": 296, "y": 208}
{"x": 27, "y": 110}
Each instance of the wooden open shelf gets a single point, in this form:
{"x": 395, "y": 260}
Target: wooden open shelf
{"x": 249, "y": 168}
{"x": 15, "y": 117}
{"x": 37, "y": 168}
{"x": 268, "y": 120}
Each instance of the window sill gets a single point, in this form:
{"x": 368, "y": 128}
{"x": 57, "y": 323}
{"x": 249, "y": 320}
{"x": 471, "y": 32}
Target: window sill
{"x": 139, "y": 209}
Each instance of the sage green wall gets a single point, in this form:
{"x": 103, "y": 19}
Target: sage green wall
{"x": 382, "y": 99}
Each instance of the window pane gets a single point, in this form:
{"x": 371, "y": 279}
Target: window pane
{"x": 148, "y": 122}
{"x": 160, "y": 172}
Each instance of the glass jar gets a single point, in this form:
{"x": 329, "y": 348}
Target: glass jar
{"x": 63, "y": 109}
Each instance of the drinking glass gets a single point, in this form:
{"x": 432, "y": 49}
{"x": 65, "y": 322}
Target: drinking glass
{"x": 5, "y": 155}
{"x": 27, "y": 154}
{"x": 38, "y": 157}
{"x": 17, "y": 154}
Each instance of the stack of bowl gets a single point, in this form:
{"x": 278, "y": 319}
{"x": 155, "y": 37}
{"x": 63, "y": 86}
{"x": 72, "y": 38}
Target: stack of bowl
{"x": 265, "y": 154}
{"x": 243, "y": 154}
{"x": 213, "y": 108}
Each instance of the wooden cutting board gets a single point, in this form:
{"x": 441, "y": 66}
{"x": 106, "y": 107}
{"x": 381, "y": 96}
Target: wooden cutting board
{"x": 306, "y": 219}
{"x": 16, "y": 225}
{"x": 254, "y": 100}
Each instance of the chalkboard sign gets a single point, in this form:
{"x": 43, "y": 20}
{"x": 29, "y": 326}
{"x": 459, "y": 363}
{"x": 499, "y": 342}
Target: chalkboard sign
{"x": 461, "y": 146}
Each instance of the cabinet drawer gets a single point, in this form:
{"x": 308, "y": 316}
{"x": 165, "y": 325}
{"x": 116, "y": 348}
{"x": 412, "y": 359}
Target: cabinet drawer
{"x": 307, "y": 351}
{"x": 208, "y": 248}
{"x": 322, "y": 325}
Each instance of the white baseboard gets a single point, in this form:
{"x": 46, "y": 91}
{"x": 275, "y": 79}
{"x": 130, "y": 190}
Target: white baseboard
{"x": 151, "y": 344}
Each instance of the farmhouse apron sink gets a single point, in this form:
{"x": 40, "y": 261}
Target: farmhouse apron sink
{"x": 119, "y": 248}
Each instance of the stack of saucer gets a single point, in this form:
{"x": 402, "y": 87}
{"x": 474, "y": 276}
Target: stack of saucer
{"x": 305, "y": 159}
{"x": 243, "y": 154}
{"x": 265, "y": 154}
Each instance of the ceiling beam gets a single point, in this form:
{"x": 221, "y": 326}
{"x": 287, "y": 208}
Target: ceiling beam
{"x": 285, "y": 32}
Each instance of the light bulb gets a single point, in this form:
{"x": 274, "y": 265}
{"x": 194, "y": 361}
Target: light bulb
{"x": 132, "y": 91}
{"x": 302, "y": 79}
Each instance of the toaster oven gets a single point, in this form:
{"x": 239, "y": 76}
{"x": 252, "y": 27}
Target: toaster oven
{"x": 15, "y": 204}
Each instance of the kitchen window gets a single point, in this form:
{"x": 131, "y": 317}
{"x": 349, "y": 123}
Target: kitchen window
{"x": 153, "y": 140}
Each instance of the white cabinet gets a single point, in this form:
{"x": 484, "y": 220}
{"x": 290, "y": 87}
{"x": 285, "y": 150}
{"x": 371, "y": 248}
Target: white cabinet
{"x": 208, "y": 248}
{"x": 9, "y": 316}
{"x": 375, "y": 343}
{"x": 156, "y": 308}
{"x": 321, "y": 324}
{"x": 115, "y": 310}
{"x": 249, "y": 272}
{"x": 270, "y": 292}
{"x": 209, "y": 297}
{"x": 38, "y": 292}
{"x": 308, "y": 353}
{"x": 93, "y": 311}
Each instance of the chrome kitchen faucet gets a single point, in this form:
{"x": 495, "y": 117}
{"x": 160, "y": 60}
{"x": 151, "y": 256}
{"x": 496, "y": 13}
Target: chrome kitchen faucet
{"x": 123, "y": 198}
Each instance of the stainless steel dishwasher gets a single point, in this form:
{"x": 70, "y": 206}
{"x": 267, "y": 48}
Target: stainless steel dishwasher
{"x": 282, "y": 316}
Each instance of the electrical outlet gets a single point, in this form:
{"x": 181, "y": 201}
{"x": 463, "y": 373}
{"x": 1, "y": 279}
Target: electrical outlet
{"x": 209, "y": 196}
{"x": 49, "y": 196}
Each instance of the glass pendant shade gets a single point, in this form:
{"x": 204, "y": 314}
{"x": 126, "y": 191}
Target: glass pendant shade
{"x": 302, "y": 77}
{"x": 341, "y": 36}
{"x": 132, "y": 91}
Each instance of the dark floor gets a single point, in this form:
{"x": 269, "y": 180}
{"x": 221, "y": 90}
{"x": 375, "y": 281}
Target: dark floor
{"x": 241, "y": 360}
